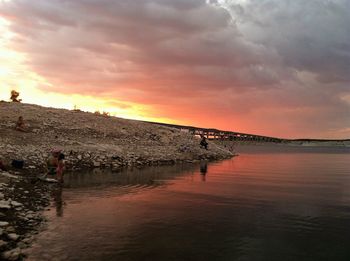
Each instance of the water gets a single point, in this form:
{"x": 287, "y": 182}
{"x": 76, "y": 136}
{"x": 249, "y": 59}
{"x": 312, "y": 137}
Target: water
{"x": 258, "y": 206}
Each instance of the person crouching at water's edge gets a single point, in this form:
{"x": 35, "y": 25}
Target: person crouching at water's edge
{"x": 204, "y": 143}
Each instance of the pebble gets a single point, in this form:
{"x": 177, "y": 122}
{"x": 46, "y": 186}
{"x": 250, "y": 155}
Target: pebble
{"x": 12, "y": 254}
{"x": 21, "y": 245}
{"x": 4, "y": 205}
{"x": 13, "y": 236}
{"x": 8, "y": 175}
{"x": 10, "y": 229}
{"x": 4, "y": 224}
{"x": 97, "y": 164}
{"x": 28, "y": 240}
{"x": 2, "y": 243}
{"x": 16, "y": 204}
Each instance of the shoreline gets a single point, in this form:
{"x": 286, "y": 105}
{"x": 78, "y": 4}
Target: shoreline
{"x": 89, "y": 141}
{"x": 93, "y": 141}
{"x": 23, "y": 199}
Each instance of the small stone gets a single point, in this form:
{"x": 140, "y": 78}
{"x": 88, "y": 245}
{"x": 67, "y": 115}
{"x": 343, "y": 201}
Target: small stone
{"x": 4, "y": 224}
{"x": 13, "y": 236}
{"x": 28, "y": 240}
{"x": 97, "y": 164}
{"x": 10, "y": 229}
{"x": 12, "y": 254}
{"x": 2, "y": 243}
{"x": 16, "y": 204}
{"x": 4, "y": 205}
{"x": 21, "y": 245}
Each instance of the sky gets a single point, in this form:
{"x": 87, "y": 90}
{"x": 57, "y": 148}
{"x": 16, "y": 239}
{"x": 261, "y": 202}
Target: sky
{"x": 270, "y": 67}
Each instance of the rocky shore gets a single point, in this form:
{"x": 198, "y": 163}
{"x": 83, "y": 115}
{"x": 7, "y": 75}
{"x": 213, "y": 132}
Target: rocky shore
{"x": 89, "y": 141}
{"x": 21, "y": 203}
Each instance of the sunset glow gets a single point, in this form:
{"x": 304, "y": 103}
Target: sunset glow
{"x": 230, "y": 64}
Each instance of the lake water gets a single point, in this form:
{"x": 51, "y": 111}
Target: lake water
{"x": 292, "y": 205}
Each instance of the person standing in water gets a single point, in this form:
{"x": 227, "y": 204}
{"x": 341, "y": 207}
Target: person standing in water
{"x": 56, "y": 165}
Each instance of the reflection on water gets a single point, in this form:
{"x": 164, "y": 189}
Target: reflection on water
{"x": 58, "y": 201}
{"x": 286, "y": 206}
{"x": 203, "y": 168}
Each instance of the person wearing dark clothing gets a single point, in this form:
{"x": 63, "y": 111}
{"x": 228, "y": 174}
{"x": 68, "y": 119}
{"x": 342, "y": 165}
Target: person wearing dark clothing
{"x": 204, "y": 143}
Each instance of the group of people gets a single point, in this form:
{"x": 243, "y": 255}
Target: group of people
{"x": 55, "y": 163}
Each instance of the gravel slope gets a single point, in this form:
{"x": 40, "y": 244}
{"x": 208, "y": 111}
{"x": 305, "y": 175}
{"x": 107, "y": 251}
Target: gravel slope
{"x": 90, "y": 140}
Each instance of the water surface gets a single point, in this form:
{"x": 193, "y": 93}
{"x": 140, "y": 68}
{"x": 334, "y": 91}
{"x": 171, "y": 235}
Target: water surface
{"x": 258, "y": 206}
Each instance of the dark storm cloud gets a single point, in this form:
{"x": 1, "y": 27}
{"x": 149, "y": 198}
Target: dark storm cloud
{"x": 284, "y": 63}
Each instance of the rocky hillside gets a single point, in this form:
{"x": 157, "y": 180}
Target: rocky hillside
{"x": 91, "y": 140}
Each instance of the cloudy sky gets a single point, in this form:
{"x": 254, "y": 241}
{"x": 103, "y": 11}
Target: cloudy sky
{"x": 271, "y": 67}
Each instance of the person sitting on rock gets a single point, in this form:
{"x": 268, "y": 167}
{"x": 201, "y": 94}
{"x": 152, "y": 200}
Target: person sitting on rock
{"x": 14, "y": 96}
{"x": 2, "y": 166}
{"x": 204, "y": 143}
{"x": 20, "y": 125}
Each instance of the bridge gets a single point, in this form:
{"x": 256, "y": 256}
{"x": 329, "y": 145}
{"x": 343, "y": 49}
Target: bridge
{"x": 215, "y": 134}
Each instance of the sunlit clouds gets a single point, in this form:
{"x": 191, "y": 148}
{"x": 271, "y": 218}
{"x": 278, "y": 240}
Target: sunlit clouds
{"x": 271, "y": 67}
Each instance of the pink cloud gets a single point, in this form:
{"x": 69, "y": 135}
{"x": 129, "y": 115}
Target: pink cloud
{"x": 235, "y": 68}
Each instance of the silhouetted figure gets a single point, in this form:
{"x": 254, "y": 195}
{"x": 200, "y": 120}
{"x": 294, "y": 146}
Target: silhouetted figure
{"x": 204, "y": 143}
{"x": 20, "y": 125}
{"x": 14, "y": 96}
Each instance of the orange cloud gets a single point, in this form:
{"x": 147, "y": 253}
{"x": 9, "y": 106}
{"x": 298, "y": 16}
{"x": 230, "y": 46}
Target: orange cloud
{"x": 236, "y": 67}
